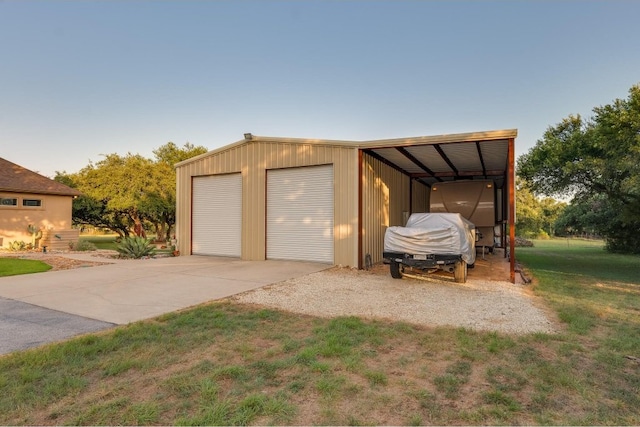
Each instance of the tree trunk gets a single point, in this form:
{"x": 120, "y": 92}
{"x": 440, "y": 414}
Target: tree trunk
{"x": 161, "y": 232}
{"x": 138, "y": 229}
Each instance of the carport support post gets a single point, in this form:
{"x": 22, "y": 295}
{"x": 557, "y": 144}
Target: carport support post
{"x": 511, "y": 179}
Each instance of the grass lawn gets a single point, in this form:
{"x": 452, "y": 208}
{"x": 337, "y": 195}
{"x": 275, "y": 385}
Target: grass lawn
{"x": 14, "y": 266}
{"x": 107, "y": 241}
{"x": 229, "y": 364}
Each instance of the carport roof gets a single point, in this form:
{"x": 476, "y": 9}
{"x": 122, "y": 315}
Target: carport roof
{"x": 428, "y": 159}
{"x": 439, "y": 158}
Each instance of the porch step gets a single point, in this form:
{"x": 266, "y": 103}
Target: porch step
{"x": 59, "y": 240}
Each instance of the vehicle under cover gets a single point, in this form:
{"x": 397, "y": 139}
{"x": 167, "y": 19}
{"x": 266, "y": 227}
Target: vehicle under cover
{"x": 431, "y": 242}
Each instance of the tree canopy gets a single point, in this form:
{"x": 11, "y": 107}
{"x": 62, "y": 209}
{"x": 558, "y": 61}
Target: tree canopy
{"x": 536, "y": 217}
{"x": 597, "y": 161}
{"x": 127, "y": 194}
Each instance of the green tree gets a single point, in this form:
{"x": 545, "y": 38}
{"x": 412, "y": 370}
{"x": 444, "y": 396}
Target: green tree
{"x": 597, "y": 156}
{"x": 122, "y": 183}
{"x": 171, "y": 154}
{"x": 160, "y": 205}
{"x": 551, "y": 211}
{"x": 528, "y": 212}
{"x": 128, "y": 194}
{"x": 536, "y": 217}
{"x": 90, "y": 211}
{"x": 589, "y": 216}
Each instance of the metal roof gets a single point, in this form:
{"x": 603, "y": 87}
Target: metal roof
{"x": 428, "y": 158}
{"x": 478, "y": 155}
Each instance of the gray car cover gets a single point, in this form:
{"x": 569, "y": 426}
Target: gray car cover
{"x": 433, "y": 233}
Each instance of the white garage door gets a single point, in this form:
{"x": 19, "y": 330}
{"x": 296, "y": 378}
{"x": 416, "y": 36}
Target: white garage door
{"x": 300, "y": 214}
{"x": 217, "y": 215}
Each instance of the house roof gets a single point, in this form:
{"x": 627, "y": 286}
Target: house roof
{"x": 16, "y": 179}
{"x": 428, "y": 159}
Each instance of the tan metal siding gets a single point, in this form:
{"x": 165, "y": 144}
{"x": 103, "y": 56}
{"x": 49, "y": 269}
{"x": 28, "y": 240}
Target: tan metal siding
{"x": 345, "y": 169}
{"x": 252, "y": 159}
{"x": 420, "y": 194}
{"x": 385, "y": 196}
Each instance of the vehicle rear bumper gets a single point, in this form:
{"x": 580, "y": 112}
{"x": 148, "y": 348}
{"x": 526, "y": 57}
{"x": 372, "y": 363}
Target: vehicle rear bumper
{"x": 416, "y": 260}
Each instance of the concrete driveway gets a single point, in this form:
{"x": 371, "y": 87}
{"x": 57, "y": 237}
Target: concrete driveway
{"x": 130, "y": 290}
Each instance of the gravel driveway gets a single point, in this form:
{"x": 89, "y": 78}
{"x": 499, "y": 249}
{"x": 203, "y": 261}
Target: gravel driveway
{"x": 477, "y": 304}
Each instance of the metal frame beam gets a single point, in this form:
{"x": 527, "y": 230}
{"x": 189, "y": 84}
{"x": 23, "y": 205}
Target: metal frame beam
{"x": 417, "y": 162}
{"x": 484, "y": 168}
{"x": 445, "y": 158}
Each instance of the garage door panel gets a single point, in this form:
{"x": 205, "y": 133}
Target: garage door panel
{"x": 300, "y": 214}
{"x": 217, "y": 215}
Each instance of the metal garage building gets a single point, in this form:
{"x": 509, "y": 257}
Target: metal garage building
{"x": 324, "y": 200}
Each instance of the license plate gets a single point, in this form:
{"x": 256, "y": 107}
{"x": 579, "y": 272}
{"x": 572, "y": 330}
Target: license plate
{"x": 420, "y": 257}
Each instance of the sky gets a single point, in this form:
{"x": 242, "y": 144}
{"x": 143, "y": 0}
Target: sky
{"x": 81, "y": 79}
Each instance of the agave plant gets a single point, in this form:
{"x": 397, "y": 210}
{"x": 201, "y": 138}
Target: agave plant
{"x": 135, "y": 247}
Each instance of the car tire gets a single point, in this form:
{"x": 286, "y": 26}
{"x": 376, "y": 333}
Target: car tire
{"x": 460, "y": 272}
{"x": 394, "y": 268}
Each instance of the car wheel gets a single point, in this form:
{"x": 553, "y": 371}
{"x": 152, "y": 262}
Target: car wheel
{"x": 460, "y": 272}
{"x": 394, "y": 268}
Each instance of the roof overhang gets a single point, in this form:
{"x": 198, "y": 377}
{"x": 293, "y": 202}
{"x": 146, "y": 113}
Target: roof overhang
{"x": 432, "y": 159}
{"x": 17, "y": 190}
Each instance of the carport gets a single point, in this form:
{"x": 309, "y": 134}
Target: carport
{"x": 326, "y": 200}
{"x": 429, "y": 160}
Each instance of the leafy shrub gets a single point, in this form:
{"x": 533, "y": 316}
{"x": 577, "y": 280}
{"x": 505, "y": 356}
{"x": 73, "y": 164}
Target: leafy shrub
{"x": 83, "y": 245}
{"x": 135, "y": 247}
{"x": 19, "y": 245}
{"x": 542, "y": 235}
{"x": 534, "y": 234}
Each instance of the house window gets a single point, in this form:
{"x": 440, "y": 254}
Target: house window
{"x": 31, "y": 202}
{"x": 8, "y": 202}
